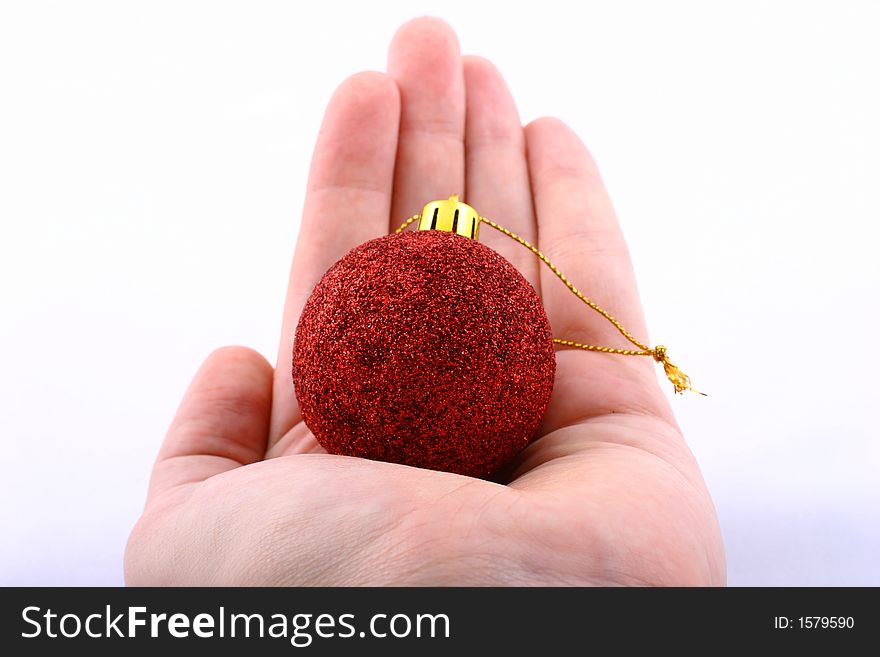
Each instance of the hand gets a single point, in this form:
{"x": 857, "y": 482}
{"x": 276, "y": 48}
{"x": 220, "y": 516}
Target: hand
{"x": 609, "y": 492}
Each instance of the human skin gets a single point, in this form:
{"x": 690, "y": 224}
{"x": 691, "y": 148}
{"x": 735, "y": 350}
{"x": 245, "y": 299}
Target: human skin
{"x": 607, "y": 494}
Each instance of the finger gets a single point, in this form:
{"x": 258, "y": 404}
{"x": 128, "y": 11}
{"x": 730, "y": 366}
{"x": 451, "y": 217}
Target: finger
{"x": 496, "y": 166}
{"x": 348, "y": 200}
{"x": 579, "y": 233}
{"x": 222, "y": 422}
{"x": 425, "y": 61}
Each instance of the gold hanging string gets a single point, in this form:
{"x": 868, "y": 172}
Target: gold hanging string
{"x": 680, "y": 381}
{"x": 406, "y": 224}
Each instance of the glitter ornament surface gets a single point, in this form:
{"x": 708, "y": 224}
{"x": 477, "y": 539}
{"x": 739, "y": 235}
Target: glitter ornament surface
{"x": 425, "y": 348}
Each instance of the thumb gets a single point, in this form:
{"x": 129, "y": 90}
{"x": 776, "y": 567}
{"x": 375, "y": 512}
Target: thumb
{"x": 221, "y": 424}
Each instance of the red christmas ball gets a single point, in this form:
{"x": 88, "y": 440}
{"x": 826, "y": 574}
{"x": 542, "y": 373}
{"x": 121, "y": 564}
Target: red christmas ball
{"x": 425, "y": 348}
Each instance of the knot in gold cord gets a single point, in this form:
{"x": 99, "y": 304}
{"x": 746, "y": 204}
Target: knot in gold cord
{"x": 680, "y": 381}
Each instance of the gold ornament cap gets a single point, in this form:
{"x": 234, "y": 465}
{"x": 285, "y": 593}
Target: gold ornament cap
{"x": 452, "y": 216}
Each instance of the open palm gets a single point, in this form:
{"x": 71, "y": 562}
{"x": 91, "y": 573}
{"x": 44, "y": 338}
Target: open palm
{"x": 608, "y": 493}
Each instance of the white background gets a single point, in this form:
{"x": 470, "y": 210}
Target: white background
{"x": 153, "y": 159}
